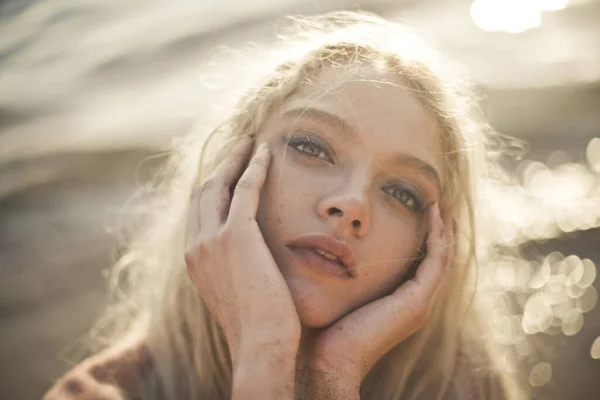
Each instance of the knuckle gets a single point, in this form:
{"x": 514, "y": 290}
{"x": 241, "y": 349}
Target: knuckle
{"x": 211, "y": 246}
{"x": 195, "y": 193}
{"x": 422, "y": 316}
{"x": 258, "y": 161}
{"x": 204, "y": 246}
{"x": 244, "y": 183}
{"x": 207, "y": 185}
{"x": 226, "y": 237}
{"x": 420, "y": 310}
{"x": 195, "y": 274}
{"x": 201, "y": 249}
{"x": 190, "y": 257}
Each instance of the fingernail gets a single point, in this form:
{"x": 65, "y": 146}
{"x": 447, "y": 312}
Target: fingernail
{"x": 262, "y": 148}
{"x": 436, "y": 213}
{"x": 433, "y": 207}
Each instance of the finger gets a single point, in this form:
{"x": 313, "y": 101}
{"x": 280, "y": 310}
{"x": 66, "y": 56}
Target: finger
{"x": 449, "y": 259}
{"x": 432, "y": 267}
{"x": 193, "y": 220}
{"x": 247, "y": 191}
{"x": 214, "y": 193}
{"x": 415, "y": 297}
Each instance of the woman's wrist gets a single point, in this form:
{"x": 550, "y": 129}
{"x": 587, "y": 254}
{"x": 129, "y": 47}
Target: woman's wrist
{"x": 330, "y": 384}
{"x": 281, "y": 341}
{"x": 265, "y": 371}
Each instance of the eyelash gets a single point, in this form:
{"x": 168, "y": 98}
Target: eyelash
{"x": 417, "y": 205}
{"x": 300, "y": 142}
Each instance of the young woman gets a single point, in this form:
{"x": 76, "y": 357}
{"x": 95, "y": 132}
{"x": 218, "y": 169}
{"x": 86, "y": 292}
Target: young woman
{"x": 325, "y": 251}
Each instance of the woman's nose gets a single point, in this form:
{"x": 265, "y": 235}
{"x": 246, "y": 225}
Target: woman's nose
{"x": 347, "y": 212}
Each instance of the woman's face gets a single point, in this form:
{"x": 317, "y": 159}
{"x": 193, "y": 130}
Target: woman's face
{"x": 356, "y": 158}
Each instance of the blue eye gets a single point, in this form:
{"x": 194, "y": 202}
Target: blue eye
{"x": 405, "y": 196}
{"x": 310, "y": 146}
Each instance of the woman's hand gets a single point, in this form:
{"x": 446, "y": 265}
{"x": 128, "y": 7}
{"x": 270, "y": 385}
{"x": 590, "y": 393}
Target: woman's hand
{"x": 229, "y": 262}
{"x": 344, "y": 352}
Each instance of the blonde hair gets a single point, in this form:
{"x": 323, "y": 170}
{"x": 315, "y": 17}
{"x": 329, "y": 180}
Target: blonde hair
{"x": 155, "y": 301}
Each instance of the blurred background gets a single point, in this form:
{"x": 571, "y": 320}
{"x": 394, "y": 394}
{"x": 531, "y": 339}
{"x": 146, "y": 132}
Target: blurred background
{"x": 92, "y": 92}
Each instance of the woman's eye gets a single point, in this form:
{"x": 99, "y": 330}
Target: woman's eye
{"x": 404, "y": 196}
{"x": 310, "y": 146}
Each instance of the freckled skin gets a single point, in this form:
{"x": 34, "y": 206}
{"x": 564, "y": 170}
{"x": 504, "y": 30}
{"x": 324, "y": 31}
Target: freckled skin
{"x": 300, "y": 189}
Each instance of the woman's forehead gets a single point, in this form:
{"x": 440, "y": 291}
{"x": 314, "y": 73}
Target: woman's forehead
{"x": 365, "y": 95}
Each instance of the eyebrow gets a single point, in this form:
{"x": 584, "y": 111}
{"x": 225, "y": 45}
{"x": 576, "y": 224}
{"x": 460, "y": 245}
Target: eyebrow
{"x": 347, "y": 129}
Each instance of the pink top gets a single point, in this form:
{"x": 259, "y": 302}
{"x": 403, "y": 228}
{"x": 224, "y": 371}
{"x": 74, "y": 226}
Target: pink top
{"x": 110, "y": 375}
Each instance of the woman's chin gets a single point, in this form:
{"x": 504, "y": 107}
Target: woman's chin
{"x": 316, "y": 316}
{"x": 317, "y": 307}
{"x": 314, "y": 319}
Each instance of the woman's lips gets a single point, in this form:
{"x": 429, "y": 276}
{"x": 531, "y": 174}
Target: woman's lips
{"x": 328, "y": 247}
{"x": 319, "y": 263}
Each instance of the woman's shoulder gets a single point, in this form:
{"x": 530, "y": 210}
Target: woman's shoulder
{"x": 114, "y": 374}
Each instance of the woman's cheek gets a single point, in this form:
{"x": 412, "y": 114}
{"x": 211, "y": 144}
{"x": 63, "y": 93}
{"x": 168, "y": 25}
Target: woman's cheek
{"x": 284, "y": 187}
{"x": 296, "y": 188}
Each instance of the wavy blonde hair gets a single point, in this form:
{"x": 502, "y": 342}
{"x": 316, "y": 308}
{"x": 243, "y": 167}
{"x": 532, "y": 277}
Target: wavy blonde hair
{"x": 452, "y": 357}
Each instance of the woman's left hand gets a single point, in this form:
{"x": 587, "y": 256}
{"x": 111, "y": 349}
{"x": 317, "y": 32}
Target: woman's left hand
{"x": 345, "y": 352}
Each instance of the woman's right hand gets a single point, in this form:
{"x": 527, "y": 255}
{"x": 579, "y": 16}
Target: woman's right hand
{"x": 230, "y": 264}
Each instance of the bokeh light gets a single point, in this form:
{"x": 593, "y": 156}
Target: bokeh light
{"x": 592, "y": 153}
{"x": 512, "y": 16}
{"x": 540, "y": 374}
{"x": 595, "y": 350}
{"x": 549, "y": 202}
